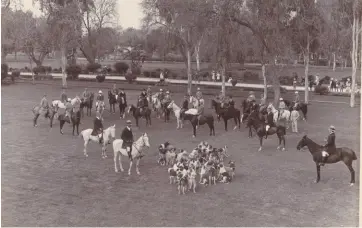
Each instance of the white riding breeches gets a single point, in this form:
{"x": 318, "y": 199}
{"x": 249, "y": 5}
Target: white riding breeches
{"x": 325, "y": 154}
{"x": 128, "y": 149}
{"x": 267, "y": 127}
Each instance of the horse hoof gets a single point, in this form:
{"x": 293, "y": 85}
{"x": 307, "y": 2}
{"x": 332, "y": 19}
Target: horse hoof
{"x": 259, "y": 149}
{"x": 283, "y": 149}
{"x": 116, "y": 171}
{"x": 315, "y": 181}
{"x": 351, "y": 184}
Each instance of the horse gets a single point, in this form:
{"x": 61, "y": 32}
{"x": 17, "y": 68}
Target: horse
{"x": 166, "y": 111}
{"x": 277, "y": 116}
{"x": 136, "y": 114}
{"x": 122, "y": 106}
{"x": 207, "y": 118}
{"x": 88, "y": 103}
{"x": 344, "y": 154}
{"x": 112, "y": 99}
{"x": 108, "y": 134}
{"x": 137, "y": 148}
{"x": 156, "y": 105}
{"x": 177, "y": 110}
{"x": 300, "y": 106}
{"x": 74, "y": 118}
{"x": 226, "y": 114}
{"x": 259, "y": 126}
{"x": 37, "y": 111}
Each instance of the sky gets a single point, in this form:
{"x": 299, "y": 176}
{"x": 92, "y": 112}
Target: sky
{"x": 130, "y": 12}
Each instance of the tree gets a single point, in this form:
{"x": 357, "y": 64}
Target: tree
{"x": 98, "y": 22}
{"x": 65, "y": 19}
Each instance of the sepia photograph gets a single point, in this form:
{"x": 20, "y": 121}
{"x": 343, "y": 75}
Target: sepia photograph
{"x": 181, "y": 113}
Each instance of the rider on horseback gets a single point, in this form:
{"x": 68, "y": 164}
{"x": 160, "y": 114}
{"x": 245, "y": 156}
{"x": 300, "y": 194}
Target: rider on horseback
{"x": 184, "y": 105}
{"x": 86, "y": 94}
{"x": 198, "y": 93}
{"x": 167, "y": 99}
{"x": 100, "y": 98}
{"x": 161, "y": 95}
{"x": 269, "y": 121}
{"x": 281, "y": 106}
{"x": 149, "y": 91}
{"x": 231, "y": 104}
{"x": 200, "y": 108}
{"x": 127, "y": 137}
{"x": 144, "y": 93}
{"x": 114, "y": 90}
{"x": 296, "y": 98}
{"x": 330, "y": 146}
{"x": 68, "y": 108}
{"x": 222, "y": 99}
{"x": 63, "y": 97}
{"x": 44, "y": 105}
{"x": 142, "y": 103}
{"x": 98, "y": 127}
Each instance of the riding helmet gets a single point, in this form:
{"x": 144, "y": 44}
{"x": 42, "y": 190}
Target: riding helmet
{"x": 128, "y": 121}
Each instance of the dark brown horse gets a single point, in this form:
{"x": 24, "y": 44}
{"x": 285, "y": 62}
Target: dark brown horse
{"x": 146, "y": 112}
{"x": 74, "y": 119}
{"x": 303, "y": 107}
{"x": 260, "y": 128}
{"x": 50, "y": 115}
{"x": 342, "y": 154}
{"x": 208, "y": 119}
{"x": 88, "y": 103}
{"x": 226, "y": 114}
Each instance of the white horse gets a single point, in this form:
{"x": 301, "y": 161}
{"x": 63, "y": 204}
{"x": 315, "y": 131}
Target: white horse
{"x": 137, "y": 148}
{"x": 108, "y": 134}
{"x": 100, "y": 107}
{"x": 177, "y": 110}
{"x": 157, "y": 106}
{"x": 283, "y": 116}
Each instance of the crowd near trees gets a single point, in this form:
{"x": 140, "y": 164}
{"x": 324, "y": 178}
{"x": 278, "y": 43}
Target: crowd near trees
{"x": 216, "y": 31}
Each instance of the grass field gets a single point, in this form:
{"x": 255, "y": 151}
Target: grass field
{"x": 22, "y": 61}
{"x": 46, "y": 180}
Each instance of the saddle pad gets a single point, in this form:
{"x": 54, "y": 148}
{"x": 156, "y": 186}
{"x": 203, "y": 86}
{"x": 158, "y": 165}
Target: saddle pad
{"x": 191, "y": 111}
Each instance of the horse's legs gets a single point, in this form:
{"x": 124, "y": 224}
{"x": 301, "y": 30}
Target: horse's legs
{"x": 85, "y": 147}
{"x": 51, "y": 120}
{"x": 226, "y": 124}
{"x": 236, "y": 123}
{"x": 61, "y": 126}
{"x": 261, "y": 143}
{"x": 137, "y": 166}
{"x": 73, "y": 128}
{"x": 77, "y": 128}
{"x": 130, "y": 166}
{"x": 318, "y": 173}
{"x": 120, "y": 161}
{"x": 115, "y": 158}
{"x": 149, "y": 119}
{"x": 351, "y": 170}
{"x": 35, "y": 120}
{"x": 194, "y": 129}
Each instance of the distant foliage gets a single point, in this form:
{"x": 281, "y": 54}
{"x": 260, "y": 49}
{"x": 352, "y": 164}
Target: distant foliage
{"x": 101, "y": 78}
{"x": 121, "y": 67}
{"x": 4, "y": 71}
{"x": 93, "y": 67}
{"x": 321, "y": 90}
{"x": 73, "y": 71}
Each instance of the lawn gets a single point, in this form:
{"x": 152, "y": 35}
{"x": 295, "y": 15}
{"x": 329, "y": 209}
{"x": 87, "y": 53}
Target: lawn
{"x": 47, "y": 181}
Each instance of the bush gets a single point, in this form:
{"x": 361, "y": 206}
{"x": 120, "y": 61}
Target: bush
{"x": 136, "y": 71}
{"x": 147, "y": 74}
{"x": 121, "y": 67}
{"x": 100, "y": 78}
{"x": 15, "y": 74}
{"x": 321, "y": 90}
{"x": 286, "y": 80}
{"x": 93, "y": 67}
{"x": 251, "y": 76}
{"x": 154, "y": 74}
{"x": 233, "y": 82}
{"x": 4, "y": 71}
{"x": 73, "y": 71}
{"x": 130, "y": 77}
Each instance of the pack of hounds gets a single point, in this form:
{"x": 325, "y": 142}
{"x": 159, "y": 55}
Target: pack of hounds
{"x": 204, "y": 161}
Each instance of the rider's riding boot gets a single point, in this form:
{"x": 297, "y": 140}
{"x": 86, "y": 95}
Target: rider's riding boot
{"x": 101, "y": 139}
{"x": 130, "y": 155}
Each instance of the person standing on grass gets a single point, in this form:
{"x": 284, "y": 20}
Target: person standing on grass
{"x": 294, "y": 118}
{"x": 63, "y": 97}
{"x": 294, "y": 83}
{"x": 162, "y": 77}
{"x": 218, "y": 76}
{"x": 213, "y": 76}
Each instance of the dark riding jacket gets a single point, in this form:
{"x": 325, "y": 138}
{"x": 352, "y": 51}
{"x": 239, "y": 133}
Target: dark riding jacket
{"x": 143, "y": 94}
{"x": 185, "y": 105}
{"x": 232, "y": 103}
{"x": 270, "y": 119}
{"x": 98, "y": 126}
{"x": 63, "y": 97}
{"x": 330, "y": 146}
{"x": 120, "y": 95}
{"x": 127, "y": 137}
{"x": 100, "y": 98}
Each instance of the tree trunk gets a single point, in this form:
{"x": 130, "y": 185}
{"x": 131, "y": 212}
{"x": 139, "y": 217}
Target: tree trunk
{"x": 306, "y": 70}
{"x": 197, "y": 55}
{"x": 223, "y": 65}
{"x": 32, "y": 72}
{"x": 265, "y": 82}
{"x": 189, "y": 75}
{"x": 334, "y": 61}
{"x": 354, "y": 57}
{"x": 64, "y": 64}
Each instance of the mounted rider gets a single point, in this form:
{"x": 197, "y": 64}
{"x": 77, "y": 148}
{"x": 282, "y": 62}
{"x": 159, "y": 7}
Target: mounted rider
{"x": 184, "y": 105}
{"x": 44, "y": 106}
{"x": 63, "y": 97}
{"x": 251, "y": 100}
{"x": 198, "y": 93}
{"x": 68, "y": 108}
{"x": 86, "y": 95}
{"x": 149, "y": 94}
{"x": 330, "y": 146}
{"x": 143, "y": 93}
{"x": 269, "y": 121}
{"x": 114, "y": 90}
{"x": 100, "y": 98}
{"x": 98, "y": 127}
{"x": 142, "y": 103}
{"x": 281, "y": 106}
{"x": 200, "y": 108}
{"x": 222, "y": 99}
{"x": 231, "y": 104}
{"x": 167, "y": 99}
{"x": 161, "y": 95}
{"x": 296, "y": 98}
{"x": 127, "y": 137}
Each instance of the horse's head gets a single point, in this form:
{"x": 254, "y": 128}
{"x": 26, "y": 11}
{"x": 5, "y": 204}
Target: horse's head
{"x": 302, "y": 143}
{"x": 146, "y": 140}
{"x": 131, "y": 108}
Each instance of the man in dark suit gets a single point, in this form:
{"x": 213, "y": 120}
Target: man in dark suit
{"x": 184, "y": 105}
{"x": 127, "y": 137}
{"x": 269, "y": 121}
{"x": 330, "y": 146}
{"x": 98, "y": 127}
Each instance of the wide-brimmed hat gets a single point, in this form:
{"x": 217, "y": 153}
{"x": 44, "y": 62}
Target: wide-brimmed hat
{"x": 129, "y": 122}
